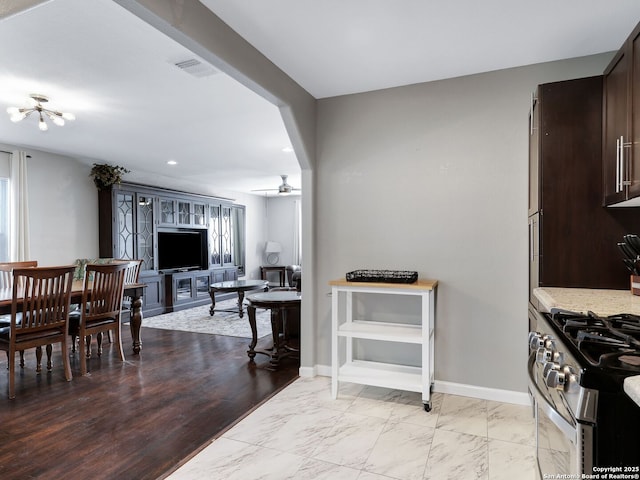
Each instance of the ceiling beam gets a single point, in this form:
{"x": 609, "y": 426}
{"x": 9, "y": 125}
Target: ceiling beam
{"x": 9, "y": 8}
{"x": 197, "y": 28}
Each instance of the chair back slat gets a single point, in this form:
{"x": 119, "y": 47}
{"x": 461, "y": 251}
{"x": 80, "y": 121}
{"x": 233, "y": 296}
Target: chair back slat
{"x": 133, "y": 272}
{"x": 102, "y": 296}
{"x": 46, "y": 298}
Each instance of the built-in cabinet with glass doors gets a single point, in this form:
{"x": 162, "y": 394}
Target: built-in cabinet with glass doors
{"x": 130, "y": 217}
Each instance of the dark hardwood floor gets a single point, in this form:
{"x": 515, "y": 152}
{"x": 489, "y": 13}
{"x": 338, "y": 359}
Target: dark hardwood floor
{"x": 132, "y": 421}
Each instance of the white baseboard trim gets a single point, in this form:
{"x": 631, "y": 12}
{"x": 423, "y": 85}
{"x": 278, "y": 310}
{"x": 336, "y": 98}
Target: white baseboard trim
{"x": 308, "y": 372}
{"x": 474, "y": 391}
{"x": 484, "y": 393}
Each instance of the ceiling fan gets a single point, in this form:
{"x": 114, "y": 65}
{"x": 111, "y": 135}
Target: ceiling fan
{"x": 283, "y": 189}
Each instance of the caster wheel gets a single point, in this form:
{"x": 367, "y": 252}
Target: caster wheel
{"x": 427, "y": 407}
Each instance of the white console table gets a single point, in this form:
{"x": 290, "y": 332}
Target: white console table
{"x": 346, "y": 368}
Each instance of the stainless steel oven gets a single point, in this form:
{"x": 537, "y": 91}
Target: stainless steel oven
{"x": 563, "y": 445}
{"x": 577, "y": 365}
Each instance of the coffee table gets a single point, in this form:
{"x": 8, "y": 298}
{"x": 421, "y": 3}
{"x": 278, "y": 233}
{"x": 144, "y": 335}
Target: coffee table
{"x": 280, "y": 303}
{"x": 239, "y": 286}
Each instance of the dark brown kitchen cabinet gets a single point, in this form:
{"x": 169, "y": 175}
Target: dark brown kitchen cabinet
{"x": 621, "y": 125}
{"x": 572, "y": 236}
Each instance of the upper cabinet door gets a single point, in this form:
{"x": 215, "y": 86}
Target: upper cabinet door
{"x": 191, "y": 214}
{"x": 184, "y": 213}
{"x": 168, "y": 212}
{"x": 621, "y": 125}
{"x": 634, "y": 117}
{"x": 199, "y": 215}
{"x": 616, "y": 82}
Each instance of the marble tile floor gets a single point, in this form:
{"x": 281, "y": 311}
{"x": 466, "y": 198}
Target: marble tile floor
{"x": 370, "y": 433}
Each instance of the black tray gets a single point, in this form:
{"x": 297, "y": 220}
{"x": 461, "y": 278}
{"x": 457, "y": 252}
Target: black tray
{"x": 382, "y": 276}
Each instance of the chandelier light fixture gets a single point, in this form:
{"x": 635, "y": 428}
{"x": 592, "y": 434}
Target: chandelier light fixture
{"x": 36, "y": 101}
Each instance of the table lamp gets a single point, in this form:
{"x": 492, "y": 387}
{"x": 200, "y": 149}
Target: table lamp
{"x": 272, "y": 250}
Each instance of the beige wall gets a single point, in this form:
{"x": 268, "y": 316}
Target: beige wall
{"x": 433, "y": 178}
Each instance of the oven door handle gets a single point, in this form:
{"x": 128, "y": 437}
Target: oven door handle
{"x": 569, "y": 430}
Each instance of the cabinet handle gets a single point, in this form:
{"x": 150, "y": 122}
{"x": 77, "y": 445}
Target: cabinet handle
{"x": 531, "y": 116}
{"x": 531, "y": 240}
{"x": 623, "y": 171}
{"x": 618, "y": 182}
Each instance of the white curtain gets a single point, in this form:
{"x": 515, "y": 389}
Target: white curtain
{"x": 20, "y": 240}
{"x": 297, "y": 233}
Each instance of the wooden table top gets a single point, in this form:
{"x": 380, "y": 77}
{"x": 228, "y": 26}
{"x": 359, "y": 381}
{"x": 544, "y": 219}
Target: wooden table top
{"x": 417, "y": 285}
{"x": 6, "y": 294}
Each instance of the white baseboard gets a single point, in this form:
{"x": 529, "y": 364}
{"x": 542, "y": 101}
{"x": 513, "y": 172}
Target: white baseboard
{"x": 307, "y": 372}
{"x": 474, "y": 391}
{"x": 484, "y": 393}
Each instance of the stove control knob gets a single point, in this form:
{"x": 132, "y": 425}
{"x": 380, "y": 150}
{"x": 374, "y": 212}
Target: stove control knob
{"x": 544, "y": 355}
{"x": 561, "y": 378}
{"x": 549, "y": 366}
{"x": 555, "y": 379}
{"x": 536, "y": 340}
{"x": 548, "y": 354}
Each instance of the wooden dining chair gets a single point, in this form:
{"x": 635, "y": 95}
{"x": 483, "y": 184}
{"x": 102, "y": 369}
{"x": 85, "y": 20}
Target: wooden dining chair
{"x": 133, "y": 270}
{"x": 40, "y": 305}
{"x": 6, "y": 281}
{"x": 131, "y": 276}
{"x": 102, "y": 301}
{"x": 6, "y": 271}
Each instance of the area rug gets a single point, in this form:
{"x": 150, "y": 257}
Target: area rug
{"x": 198, "y": 320}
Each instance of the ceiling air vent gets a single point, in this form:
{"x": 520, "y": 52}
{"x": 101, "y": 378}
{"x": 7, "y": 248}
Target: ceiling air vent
{"x": 196, "y": 68}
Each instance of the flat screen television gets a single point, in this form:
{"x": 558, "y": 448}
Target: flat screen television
{"x": 182, "y": 250}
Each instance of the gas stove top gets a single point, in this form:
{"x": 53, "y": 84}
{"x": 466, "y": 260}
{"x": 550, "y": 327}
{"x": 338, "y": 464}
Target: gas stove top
{"x": 611, "y": 343}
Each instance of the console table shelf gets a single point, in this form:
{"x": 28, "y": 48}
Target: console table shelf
{"x": 346, "y": 329}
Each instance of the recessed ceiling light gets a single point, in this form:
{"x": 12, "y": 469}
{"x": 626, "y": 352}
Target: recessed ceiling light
{"x": 172, "y": 162}
{"x": 287, "y": 149}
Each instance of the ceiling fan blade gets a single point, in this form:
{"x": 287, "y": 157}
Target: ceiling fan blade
{"x": 283, "y": 188}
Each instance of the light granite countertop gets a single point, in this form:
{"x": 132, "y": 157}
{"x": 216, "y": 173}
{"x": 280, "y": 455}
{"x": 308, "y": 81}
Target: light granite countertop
{"x": 600, "y": 302}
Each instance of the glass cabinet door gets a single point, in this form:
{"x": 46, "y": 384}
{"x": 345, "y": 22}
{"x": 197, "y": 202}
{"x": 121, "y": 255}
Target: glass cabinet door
{"x": 168, "y": 215}
{"x": 184, "y": 213}
{"x": 199, "y": 215}
{"x": 202, "y": 285}
{"x": 215, "y": 257}
{"x": 183, "y": 289}
{"x": 126, "y": 235}
{"x": 226, "y": 236}
{"x": 145, "y": 232}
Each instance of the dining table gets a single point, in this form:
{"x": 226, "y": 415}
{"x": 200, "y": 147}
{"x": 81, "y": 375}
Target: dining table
{"x": 133, "y": 290}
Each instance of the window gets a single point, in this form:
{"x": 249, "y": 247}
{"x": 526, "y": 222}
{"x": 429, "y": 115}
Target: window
{"x": 4, "y": 219}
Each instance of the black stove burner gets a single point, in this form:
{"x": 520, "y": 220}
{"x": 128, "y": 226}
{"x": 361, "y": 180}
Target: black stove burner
{"x": 609, "y": 342}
